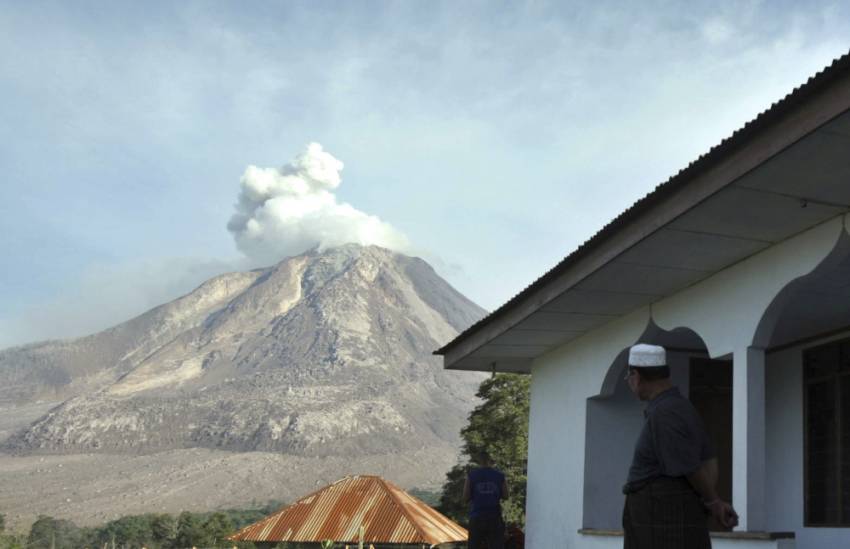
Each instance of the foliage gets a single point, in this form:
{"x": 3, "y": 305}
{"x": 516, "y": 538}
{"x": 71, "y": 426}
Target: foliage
{"x": 191, "y": 531}
{"x": 244, "y": 517}
{"x": 50, "y": 533}
{"x": 134, "y": 530}
{"x": 152, "y": 530}
{"x": 218, "y": 526}
{"x": 12, "y": 541}
{"x": 163, "y": 530}
{"x": 427, "y": 496}
{"x": 498, "y": 427}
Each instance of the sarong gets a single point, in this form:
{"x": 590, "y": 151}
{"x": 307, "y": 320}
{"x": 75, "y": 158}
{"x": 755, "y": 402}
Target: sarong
{"x": 486, "y": 532}
{"x": 666, "y": 513}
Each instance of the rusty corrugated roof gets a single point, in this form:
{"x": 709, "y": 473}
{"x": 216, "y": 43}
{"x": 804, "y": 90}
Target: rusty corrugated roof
{"x": 388, "y": 514}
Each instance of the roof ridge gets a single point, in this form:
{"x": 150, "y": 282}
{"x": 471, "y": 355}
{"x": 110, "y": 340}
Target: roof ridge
{"x": 393, "y": 516}
{"x": 312, "y": 494}
{"x": 286, "y": 506}
{"x": 389, "y": 489}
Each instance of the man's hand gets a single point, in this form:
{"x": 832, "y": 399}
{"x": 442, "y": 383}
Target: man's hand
{"x": 703, "y": 480}
{"x": 723, "y": 513}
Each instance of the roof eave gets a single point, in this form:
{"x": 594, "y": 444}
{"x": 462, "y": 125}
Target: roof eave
{"x": 824, "y": 97}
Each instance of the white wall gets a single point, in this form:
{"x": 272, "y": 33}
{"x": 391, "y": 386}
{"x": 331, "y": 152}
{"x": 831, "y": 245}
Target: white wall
{"x": 613, "y": 425}
{"x": 724, "y": 310}
{"x": 616, "y": 542}
{"x": 784, "y": 402}
{"x": 557, "y": 491}
{"x": 561, "y": 382}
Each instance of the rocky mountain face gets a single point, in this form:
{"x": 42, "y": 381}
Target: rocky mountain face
{"x": 324, "y": 354}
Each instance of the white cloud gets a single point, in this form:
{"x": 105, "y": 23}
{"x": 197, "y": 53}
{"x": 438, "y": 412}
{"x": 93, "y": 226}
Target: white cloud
{"x": 286, "y": 211}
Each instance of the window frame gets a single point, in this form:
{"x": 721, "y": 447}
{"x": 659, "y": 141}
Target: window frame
{"x": 836, "y": 376}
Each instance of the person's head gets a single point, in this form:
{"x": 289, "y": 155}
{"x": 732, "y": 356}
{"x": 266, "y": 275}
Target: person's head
{"x": 648, "y": 372}
{"x": 482, "y": 458}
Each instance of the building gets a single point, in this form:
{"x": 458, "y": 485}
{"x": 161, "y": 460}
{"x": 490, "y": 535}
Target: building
{"x": 390, "y": 518}
{"x": 740, "y": 266}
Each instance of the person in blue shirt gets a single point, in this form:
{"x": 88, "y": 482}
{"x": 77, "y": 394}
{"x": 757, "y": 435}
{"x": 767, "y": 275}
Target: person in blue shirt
{"x": 484, "y": 489}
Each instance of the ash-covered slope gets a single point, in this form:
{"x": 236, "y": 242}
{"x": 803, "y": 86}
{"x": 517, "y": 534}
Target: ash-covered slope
{"x": 323, "y": 354}
{"x": 56, "y": 370}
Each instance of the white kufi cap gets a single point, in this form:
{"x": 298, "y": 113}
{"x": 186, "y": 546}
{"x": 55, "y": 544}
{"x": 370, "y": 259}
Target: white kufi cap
{"x": 647, "y": 356}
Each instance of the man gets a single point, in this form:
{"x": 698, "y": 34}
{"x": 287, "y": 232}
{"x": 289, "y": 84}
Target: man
{"x": 671, "y": 483}
{"x": 485, "y": 487}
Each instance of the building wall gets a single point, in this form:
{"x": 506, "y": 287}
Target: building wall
{"x": 574, "y": 483}
{"x": 724, "y": 310}
{"x": 616, "y": 542}
{"x": 556, "y": 456}
{"x": 613, "y": 425}
{"x": 784, "y": 402}
{"x": 561, "y": 382}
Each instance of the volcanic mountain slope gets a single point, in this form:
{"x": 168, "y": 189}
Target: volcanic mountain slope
{"x": 324, "y": 354}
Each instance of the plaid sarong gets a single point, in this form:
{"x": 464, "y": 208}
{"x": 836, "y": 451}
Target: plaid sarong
{"x": 665, "y": 514}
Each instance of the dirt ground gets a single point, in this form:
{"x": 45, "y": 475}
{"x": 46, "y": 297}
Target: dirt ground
{"x": 91, "y": 489}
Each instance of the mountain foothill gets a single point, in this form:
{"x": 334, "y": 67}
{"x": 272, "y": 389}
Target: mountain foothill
{"x": 255, "y": 386}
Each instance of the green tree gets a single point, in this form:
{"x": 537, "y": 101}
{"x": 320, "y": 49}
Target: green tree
{"x": 191, "y": 531}
{"x": 429, "y": 497}
{"x": 498, "y": 427}
{"x": 218, "y": 526}
{"x": 163, "y": 529}
{"x": 130, "y": 530}
{"x": 12, "y": 541}
{"x": 451, "y": 500}
{"x": 49, "y": 533}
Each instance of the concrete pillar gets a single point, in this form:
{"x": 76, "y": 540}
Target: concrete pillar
{"x": 748, "y": 438}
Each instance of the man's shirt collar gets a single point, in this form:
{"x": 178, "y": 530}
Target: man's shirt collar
{"x": 672, "y": 392}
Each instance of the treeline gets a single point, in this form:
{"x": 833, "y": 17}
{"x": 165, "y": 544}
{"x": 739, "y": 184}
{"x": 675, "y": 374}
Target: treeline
{"x": 151, "y": 530}
{"x": 498, "y": 427}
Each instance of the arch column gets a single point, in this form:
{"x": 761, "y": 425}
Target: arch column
{"x": 748, "y": 437}
{"x": 735, "y": 312}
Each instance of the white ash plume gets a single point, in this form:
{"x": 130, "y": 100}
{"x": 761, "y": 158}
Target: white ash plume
{"x": 286, "y": 211}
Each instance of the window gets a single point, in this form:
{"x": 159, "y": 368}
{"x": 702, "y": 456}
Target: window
{"x": 827, "y": 435}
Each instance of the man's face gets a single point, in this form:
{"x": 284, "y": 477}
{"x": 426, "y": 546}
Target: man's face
{"x": 633, "y": 379}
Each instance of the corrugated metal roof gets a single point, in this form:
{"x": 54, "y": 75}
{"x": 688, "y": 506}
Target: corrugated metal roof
{"x": 715, "y": 155}
{"x": 388, "y": 514}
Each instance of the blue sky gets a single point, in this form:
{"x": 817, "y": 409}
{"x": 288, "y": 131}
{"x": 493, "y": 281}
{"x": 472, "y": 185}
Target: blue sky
{"x": 495, "y": 137}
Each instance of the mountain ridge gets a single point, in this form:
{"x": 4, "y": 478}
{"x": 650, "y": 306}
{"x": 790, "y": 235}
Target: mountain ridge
{"x": 253, "y": 361}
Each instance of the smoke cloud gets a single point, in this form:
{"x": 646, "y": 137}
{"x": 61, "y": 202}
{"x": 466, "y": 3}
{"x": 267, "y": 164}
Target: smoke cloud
{"x": 286, "y": 211}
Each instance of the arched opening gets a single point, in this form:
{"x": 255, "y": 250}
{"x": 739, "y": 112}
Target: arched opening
{"x": 810, "y": 306}
{"x": 615, "y": 418}
{"x": 805, "y": 332}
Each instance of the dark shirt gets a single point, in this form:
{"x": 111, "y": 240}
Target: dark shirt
{"x": 673, "y": 441}
{"x": 485, "y": 487}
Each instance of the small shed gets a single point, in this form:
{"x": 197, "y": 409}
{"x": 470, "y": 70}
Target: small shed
{"x": 390, "y": 517}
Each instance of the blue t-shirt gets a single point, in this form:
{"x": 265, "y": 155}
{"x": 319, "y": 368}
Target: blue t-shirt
{"x": 485, "y": 487}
